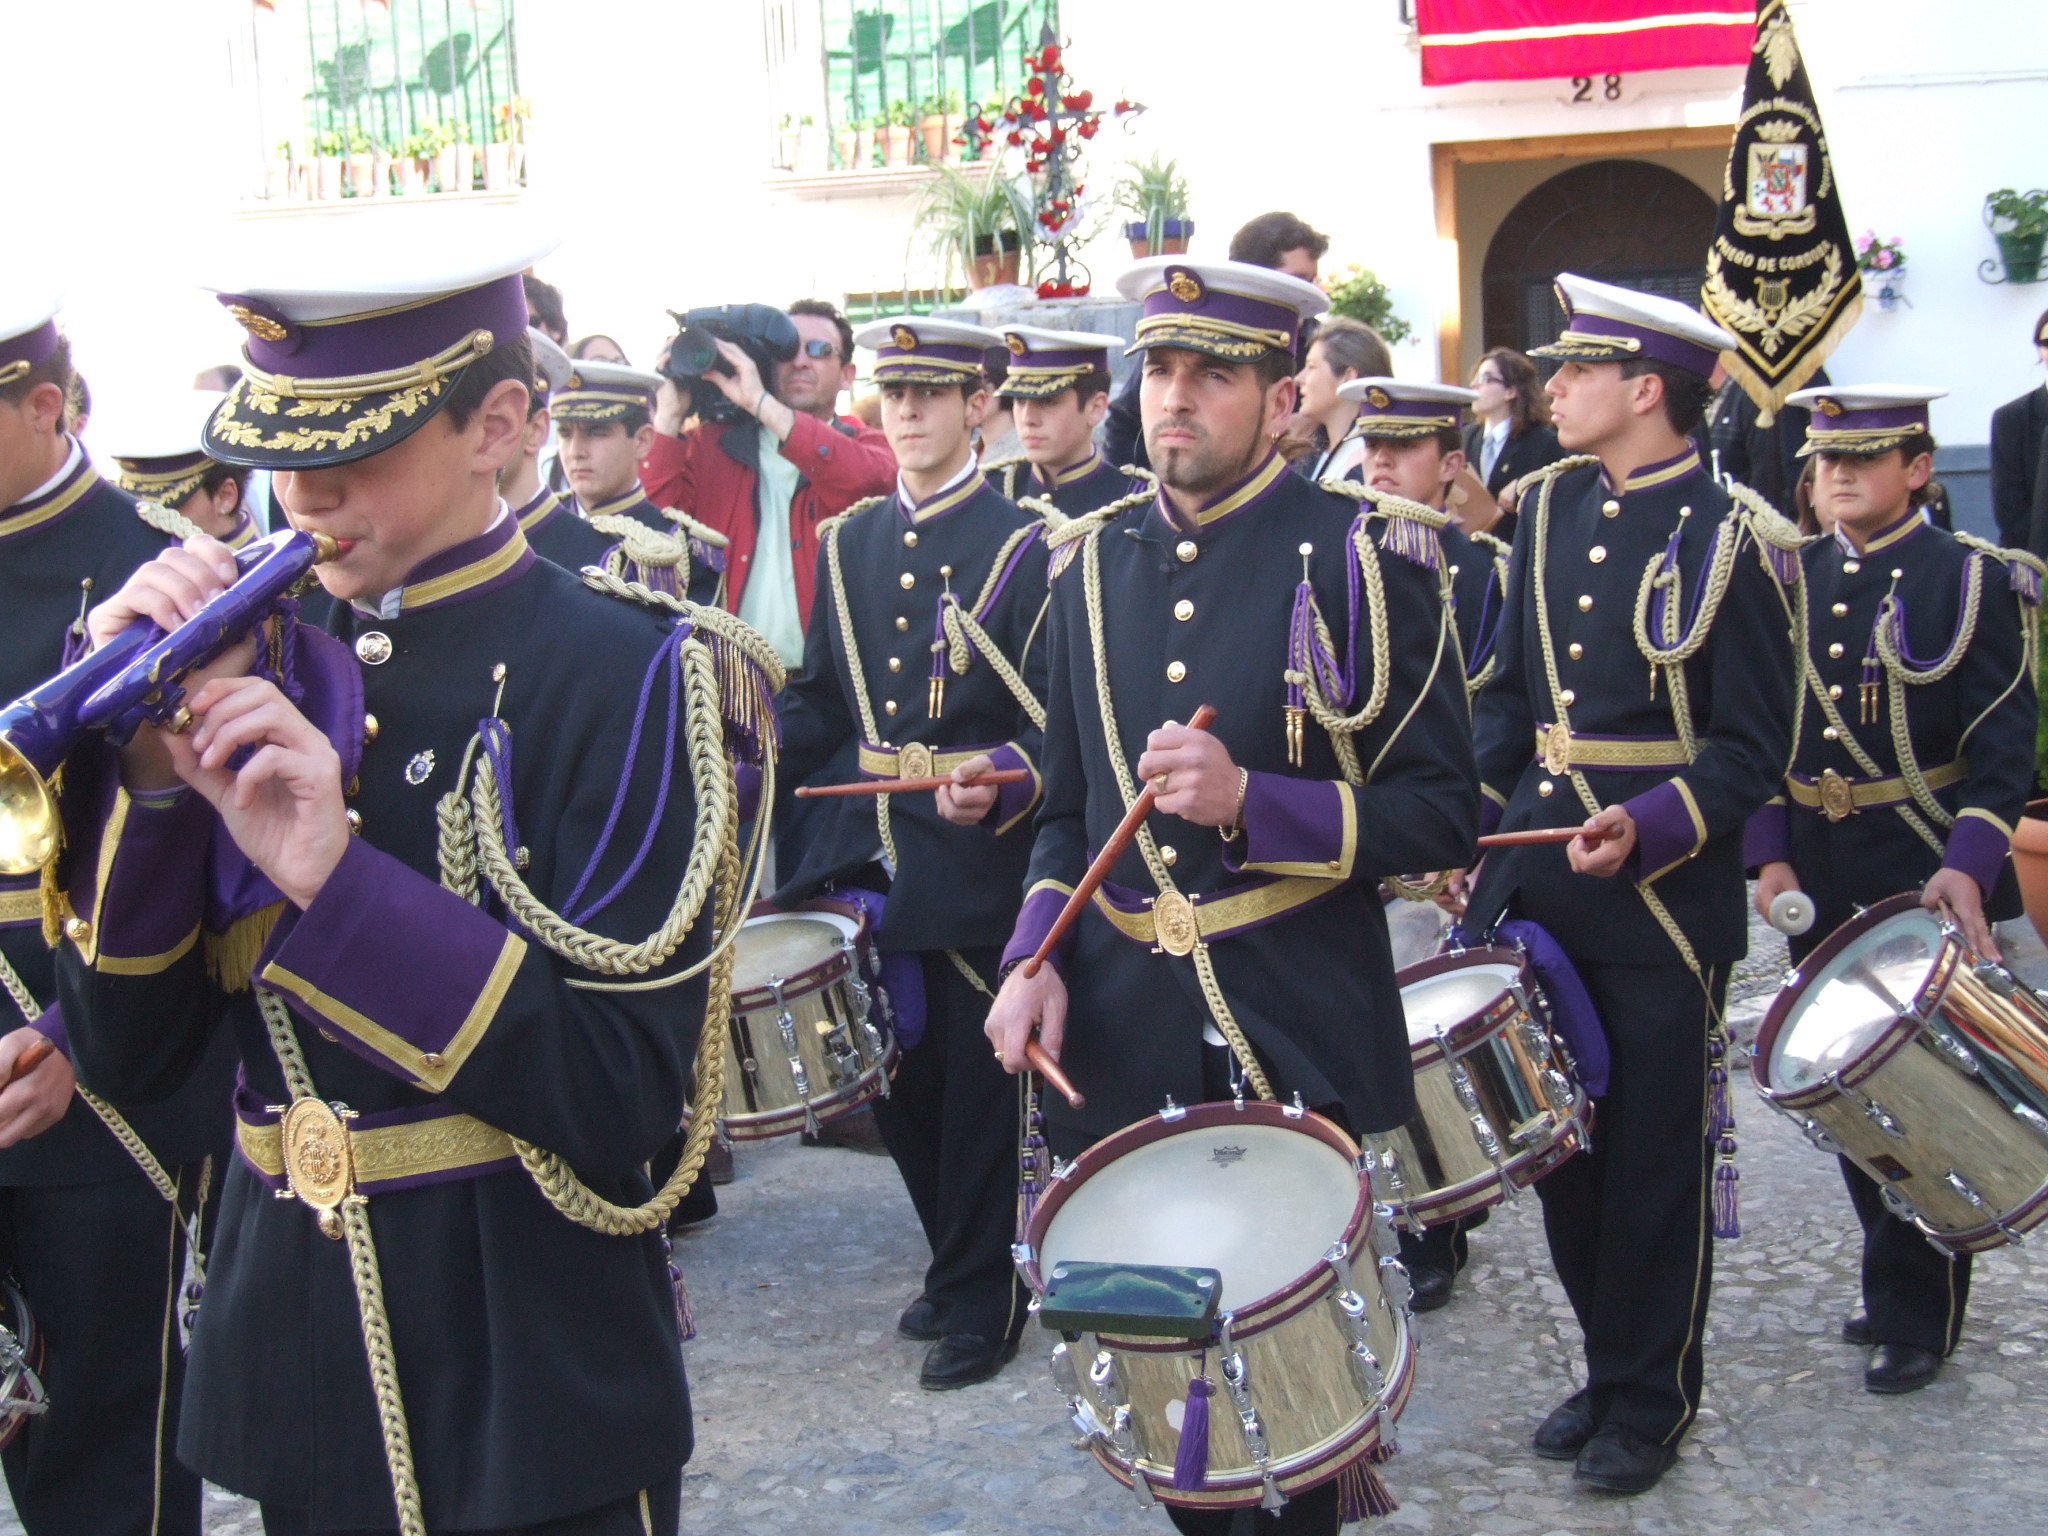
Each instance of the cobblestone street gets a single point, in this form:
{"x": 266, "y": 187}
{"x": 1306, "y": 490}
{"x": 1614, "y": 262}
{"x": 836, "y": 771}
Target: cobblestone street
{"x": 810, "y": 1422}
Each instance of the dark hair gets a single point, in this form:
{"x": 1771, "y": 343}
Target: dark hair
{"x": 221, "y": 474}
{"x": 825, "y": 309}
{"x": 1449, "y": 439}
{"x": 1264, "y": 240}
{"x": 55, "y": 369}
{"x": 1272, "y": 366}
{"x": 1530, "y": 407}
{"x": 1686, "y": 394}
{"x": 967, "y": 387}
{"x": 1086, "y": 386}
{"x": 577, "y": 351}
{"x": 511, "y": 359}
{"x": 1911, "y": 449}
{"x": 1802, "y": 496}
{"x": 2041, "y": 330}
{"x": 78, "y": 406}
{"x": 1352, "y": 344}
{"x": 546, "y": 301}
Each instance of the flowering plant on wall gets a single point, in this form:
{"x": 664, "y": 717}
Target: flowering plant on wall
{"x": 1883, "y": 265}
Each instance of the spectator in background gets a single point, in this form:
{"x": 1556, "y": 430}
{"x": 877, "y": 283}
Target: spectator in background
{"x": 544, "y": 310}
{"x": 1512, "y": 436}
{"x": 2019, "y": 428}
{"x": 767, "y": 481}
{"x": 600, "y": 348}
{"x": 995, "y": 440}
{"x": 1283, "y": 242}
{"x": 256, "y": 492}
{"x": 78, "y": 407}
{"x": 1344, "y": 349}
{"x": 1738, "y": 447}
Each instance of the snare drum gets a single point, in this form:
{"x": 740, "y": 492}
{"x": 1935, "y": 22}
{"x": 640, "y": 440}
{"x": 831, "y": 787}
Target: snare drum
{"x": 1415, "y": 930}
{"x": 1895, "y": 1045}
{"x": 1497, "y": 1099}
{"x": 804, "y": 1046}
{"x": 1312, "y": 1359}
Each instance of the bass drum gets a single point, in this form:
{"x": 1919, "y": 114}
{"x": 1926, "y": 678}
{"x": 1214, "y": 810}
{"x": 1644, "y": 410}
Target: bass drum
{"x": 805, "y": 1044}
{"x": 1312, "y": 1359}
{"x": 1896, "y": 1045}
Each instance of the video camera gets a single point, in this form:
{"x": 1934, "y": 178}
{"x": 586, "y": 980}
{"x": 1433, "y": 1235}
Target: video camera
{"x": 763, "y": 332}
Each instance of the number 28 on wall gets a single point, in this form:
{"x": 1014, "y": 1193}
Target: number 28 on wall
{"x": 1587, "y": 89}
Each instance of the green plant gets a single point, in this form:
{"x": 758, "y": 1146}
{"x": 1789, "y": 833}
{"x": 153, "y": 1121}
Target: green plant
{"x": 284, "y": 149}
{"x": 898, "y": 115}
{"x": 360, "y": 143}
{"x": 328, "y": 142}
{"x": 931, "y": 106}
{"x": 1362, "y": 296}
{"x": 2017, "y": 213}
{"x": 1154, "y": 190}
{"x": 419, "y": 144}
{"x": 958, "y": 211}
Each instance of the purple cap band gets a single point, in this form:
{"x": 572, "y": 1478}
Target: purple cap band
{"x": 377, "y": 343}
{"x": 1185, "y": 295}
{"x": 1070, "y": 359}
{"x": 1662, "y": 345}
{"x": 1889, "y": 418}
{"x": 31, "y": 347}
{"x": 1389, "y": 411}
{"x": 955, "y": 355}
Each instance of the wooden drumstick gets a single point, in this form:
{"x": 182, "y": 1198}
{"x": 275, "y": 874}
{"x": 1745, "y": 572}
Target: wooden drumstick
{"x": 911, "y": 786}
{"x": 1043, "y": 1064}
{"x": 1541, "y": 835}
{"x": 38, "y": 1050}
{"x": 1112, "y": 850}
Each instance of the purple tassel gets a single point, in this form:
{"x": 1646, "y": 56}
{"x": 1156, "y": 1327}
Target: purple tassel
{"x": 2024, "y": 580}
{"x": 1721, "y": 1131}
{"x": 1383, "y": 1451}
{"x": 1727, "y": 1215}
{"x": 686, "y": 1320}
{"x": 1191, "y": 1460}
{"x": 1031, "y": 1166}
{"x": 1361, "y": 1495}
{"x": 1785, "y": 565}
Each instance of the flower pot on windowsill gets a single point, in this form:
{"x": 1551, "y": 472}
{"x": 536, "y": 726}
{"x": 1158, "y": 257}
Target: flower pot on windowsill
{"x": 327, "y": 178}
{"x": 845, "y": 141}
{"x": 2020, "y": 254}
{"x": 864, "y": 149}
{"x": 996, "y": 259}
{"x": 412, "y": 175}
{"x": 954, "y": 127}
{"x": 465, "y": 167}
{"x": 810, "y": 151}
{"x": 497, "y": 167}
{"x": 1887, "y": 289}
{"x": 896, "y": 144}
{"x": 362, "y": 174}
{"x": 444, "y": 168}
{"x": 1174, "y": 235}
{"x": 933, "y": 130}
{"x": 277, "y": 180}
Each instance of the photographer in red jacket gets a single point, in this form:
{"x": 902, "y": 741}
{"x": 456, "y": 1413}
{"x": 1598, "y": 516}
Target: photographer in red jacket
{"x": 768, "y": 480}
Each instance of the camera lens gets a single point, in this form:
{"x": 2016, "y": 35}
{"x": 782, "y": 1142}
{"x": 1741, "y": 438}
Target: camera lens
{"x": 692, "y": 353}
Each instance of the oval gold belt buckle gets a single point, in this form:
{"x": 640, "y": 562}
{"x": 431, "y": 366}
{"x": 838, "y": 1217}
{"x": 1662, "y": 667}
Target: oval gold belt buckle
{"x": 1837, "y": 800}
{"x": 914, "y": 761}
{"x": 318, "y": 1164}
{"x": 1173, "y": 923}
{"x": 1557, "y": 749}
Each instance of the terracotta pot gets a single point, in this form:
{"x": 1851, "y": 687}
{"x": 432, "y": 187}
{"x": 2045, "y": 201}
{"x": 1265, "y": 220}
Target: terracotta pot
{"x": 1173, "y": 237}
{"x": 896, "y": 144}
{"x": 444, "y": 168}
{"x": 465, "y": 167}
{"x": 412, "y": 175}
{"x": 934, "y": 130}
{"x": 362, "y": 174}
{"x": 2030, "y": 863}
{"x": 327, "y": 178}
{"x": 847, "y": 142}
{"x": 954, "y": 125}
{"x": 993, "y": 267}
{"x": 863, "y": 149}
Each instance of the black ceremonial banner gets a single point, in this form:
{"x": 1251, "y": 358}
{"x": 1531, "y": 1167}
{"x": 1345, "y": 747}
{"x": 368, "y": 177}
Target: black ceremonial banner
{"x": 1781, "y": 273}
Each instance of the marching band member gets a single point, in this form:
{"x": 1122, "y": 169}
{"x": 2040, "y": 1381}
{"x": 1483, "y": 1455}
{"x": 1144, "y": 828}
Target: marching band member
{"x": 1256, "y": 951}
{"x": 453, "y": 954}
{"x": 1409, "y": 445}
{"x": 157, "y": 457}
{"x": 84, "y": 1223}
{"x": 1910, "y": 622}
{"x": 920, "y": 649}
{"x": 1644, "y": 652}
{"x": 550, "y": 525}
{"x": 1058, "y": 389}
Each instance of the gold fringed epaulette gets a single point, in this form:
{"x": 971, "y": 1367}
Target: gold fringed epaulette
{"x": 648, "y": 548}
{"x": 1064, "y": 535}
{"x": 1407, "y": 528}
{"x": 2023, "y": 571}
{"x": 160, "y": 517}
{"x": 749, "y": 673}
{"x": 1778, "y": 539}
{"x": 232, "y": 955}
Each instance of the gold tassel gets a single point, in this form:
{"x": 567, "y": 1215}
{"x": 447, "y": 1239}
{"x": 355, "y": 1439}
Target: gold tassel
{"x": 54, "y": 905}
{"x": 231, "y": 956}
{"x": 1295, "y": 716}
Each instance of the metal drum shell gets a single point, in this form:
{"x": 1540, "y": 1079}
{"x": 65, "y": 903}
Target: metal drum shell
{"x": 1441, "y": 1130}
{"x": 1951, "y": 1120}
{"x": 819, "y": 994}
{"x": 1296, "y": 1348}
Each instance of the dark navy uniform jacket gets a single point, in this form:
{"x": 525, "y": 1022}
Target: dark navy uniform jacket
{"x": 1295, "y": 926}
{"x": 1972, "y": 730}
{"x": 556, "y": 533}
{"x": 1478, "y": 597}
{"x": 1093, "y": 483}
{"x": 707, "y": 562}
{"x": 412, "y": 1005}
{"x": 1589, "y": 552}
{"x": 71, "y": 547}
{"x": 952, "y": 886}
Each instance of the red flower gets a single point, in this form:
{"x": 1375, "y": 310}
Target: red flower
{"x": 1088, "y": 129}
{"x": 1087, "y": 100}
{"x": 1015, "y": 138}
{"x": 1051, "y": 56}
{"x": 1034, "y": 86}
{"x": 1058, "y": 136}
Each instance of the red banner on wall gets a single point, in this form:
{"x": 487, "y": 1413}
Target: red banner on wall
{"x": 1559, "y": 39}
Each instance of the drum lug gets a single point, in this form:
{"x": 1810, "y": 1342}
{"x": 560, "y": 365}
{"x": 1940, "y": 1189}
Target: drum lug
{"x": 1817, "y": 1134}
{"x": 1875, "y": 1112}
{"x": 1022, "y": 1256}
{"x": 1996, "y": 977}
{"x": 1962, "y": 1186}
{"x": 2033, "y": 1117}
{"x": 1395, "y": 1282}
{"x": 1237, "y": 1383}
{"x": 1788, "y": 981}
{"x": 1295, "y": 1110}
{"x": 1386, "y": 1243}
{"x": 1172, "y": 1111}
{"x": 1898, "y": 1204}
{"x": 1140, "y": 1484}
{"x": 1955, "y": 1051}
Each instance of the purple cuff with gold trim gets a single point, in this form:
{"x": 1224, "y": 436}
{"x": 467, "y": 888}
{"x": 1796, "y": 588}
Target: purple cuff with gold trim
{"x": 1977, "y": 845}
{"x": 1295, "y": 827}
{"x": 1767, "y": 836}
{"x": 137, "y": 880}
{"x": 1013, "y": 801}
{"x": 50, "y": 1025}
{"x": 1669, "y": 830}
{"x": 1491, "y": 809}
{"x": 406, "y": 974}
{"x": 1041, "y": 909}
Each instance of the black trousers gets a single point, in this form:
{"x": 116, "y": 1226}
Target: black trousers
{"x": 951, "y": 1121}
{"x": 102, "y": 1265}
{"x": 1913, "y": 1295}
{"x": 1630, "y": 1229}
{"x": 655, "y": 1511}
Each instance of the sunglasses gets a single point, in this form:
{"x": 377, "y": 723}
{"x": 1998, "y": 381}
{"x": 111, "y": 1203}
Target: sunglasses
{"x": 820, "y": 349}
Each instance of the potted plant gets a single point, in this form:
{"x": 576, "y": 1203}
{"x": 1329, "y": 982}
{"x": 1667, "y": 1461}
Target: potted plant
{"x": 1883, "y": 265}
{"x": 785, "y": 142}
{"x": 2019, "y": 223}
{"x": 327, "y": 163}
{"x": 931, "y": 128}
{"x": 277, "y": 172}
{"x": 362, "y": 164}
{"x": 440, "y": 140}
{"x": 847, "y": 142}
{"x": 976, "y": 224}
{"x": 465, "y": 158}
{"x": 810, "y": 147}
{"x": 513, "y": 116}
{"x": 1157, "y": 192}
{"x": 415, "y": 161}
{"x": 1358, "y": 293}
{"x": 896, "y": 134}
{"x": 864, "y": 142}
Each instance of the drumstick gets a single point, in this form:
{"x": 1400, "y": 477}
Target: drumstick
{"x": 911, "y": 786}
{"x": 1542, "y": 835}
{"x": 37, "y": 1051}
{"x": 1112, "y": 850}
{"x": 1047, "y": 1068}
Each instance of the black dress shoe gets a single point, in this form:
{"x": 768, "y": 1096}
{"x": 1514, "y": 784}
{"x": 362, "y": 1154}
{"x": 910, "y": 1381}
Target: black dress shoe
{"x": 1569, "y": 1426}
{"x": 1898, "y": 1368}
{"x": 920, "y": 1320}
{"x": 1618, "y": 1460}
{"x": 1856, "y": 1328}
{"x": 962, "y": 1359}
{"x": 1432, "y": 1287}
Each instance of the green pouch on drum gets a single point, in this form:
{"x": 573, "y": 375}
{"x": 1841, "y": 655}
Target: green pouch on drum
{"x": 1151, "y": 1301}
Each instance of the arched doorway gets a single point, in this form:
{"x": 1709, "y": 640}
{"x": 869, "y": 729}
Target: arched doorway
{"x": 1621, "y": 221}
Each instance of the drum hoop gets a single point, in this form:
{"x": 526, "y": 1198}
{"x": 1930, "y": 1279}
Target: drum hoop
{"x": 1475, "y": 1026}
{"x": 814, "y": 978}
{"x": 1895, "y": 1035}
{"x": 1255, "y": 1316}
{"x": 1992, "y": 1234}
